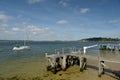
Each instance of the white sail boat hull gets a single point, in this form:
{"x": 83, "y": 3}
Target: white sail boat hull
{"x": 21, "y": 48}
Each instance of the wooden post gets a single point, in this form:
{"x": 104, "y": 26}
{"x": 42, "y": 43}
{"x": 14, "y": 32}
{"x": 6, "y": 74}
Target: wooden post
{"x": 46, "y": 54}
{"x": 51, "y": 64}
{"x": 64, "y": 62}
{"x": 71, "y": 60}
{"x": 48, "y": 65}
{"x": 54, "y": 64}
{"x": 48, "y": 68}
{"x": 58, "y": 53}
{"x": 81, "y": 63}
{"x": 85, "y": 62}
{"x": 101, "y": 68}
{"x": 79, "y": 52}
{"x": 84, "y": 48}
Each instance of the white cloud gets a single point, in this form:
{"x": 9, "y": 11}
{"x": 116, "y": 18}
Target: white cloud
{"x": 34, "y": 1}
{"x": 31, "y": 31}
{"x": 5, "y": 32}
{"x": 16, "y": 29}
{"x": 4, "y": 25}
{"x": 36, "y": 30}
{"x": 39, "y": 33}
{"x": 4, "y": 18}
{"x": 19, "y": 16}
{"x": 84, "y": 10}
{"x": 62, "y": 22}
{"x": 63, "y": 3}
{"x": 115, "y": 21}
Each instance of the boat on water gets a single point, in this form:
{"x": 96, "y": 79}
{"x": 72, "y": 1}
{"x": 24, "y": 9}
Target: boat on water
{"x": 24, "y": 47}
{"x": 16, "y": 48}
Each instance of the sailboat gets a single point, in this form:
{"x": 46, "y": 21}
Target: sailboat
{"x": 24, "y": 47}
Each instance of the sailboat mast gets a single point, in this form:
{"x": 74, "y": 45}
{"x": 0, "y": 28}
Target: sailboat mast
{"x": 24, "y": 42}
{"x": 24, "y": 37}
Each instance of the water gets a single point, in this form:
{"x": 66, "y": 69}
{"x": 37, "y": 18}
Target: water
{"x": 32, "y": 62}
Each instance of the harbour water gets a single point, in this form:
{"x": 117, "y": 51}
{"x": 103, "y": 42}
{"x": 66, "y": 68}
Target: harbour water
{"x": 32, "y": 62}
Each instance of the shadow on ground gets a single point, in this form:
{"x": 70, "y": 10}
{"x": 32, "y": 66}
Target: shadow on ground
{"x": 111, "y": 73}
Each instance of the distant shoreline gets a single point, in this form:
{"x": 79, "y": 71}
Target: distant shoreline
{"x": 94, "y": 39}
{"x": 100, "y": 39}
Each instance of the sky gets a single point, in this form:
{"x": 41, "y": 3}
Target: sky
{"x": 49, "y": 20}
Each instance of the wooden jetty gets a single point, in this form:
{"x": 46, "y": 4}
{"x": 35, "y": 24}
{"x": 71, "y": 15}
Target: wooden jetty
{"x": 110, "y": 47}
{"x": 56, "y": 62}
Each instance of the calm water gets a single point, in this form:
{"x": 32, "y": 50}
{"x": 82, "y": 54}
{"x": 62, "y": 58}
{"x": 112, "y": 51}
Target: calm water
{"x": 31, "y": 62}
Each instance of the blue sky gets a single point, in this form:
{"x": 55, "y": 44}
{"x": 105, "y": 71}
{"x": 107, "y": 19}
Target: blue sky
{"x": 59, "y": 19}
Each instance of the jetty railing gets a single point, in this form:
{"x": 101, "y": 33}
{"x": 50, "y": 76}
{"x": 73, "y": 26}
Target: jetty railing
{"x": 110, "y": 47}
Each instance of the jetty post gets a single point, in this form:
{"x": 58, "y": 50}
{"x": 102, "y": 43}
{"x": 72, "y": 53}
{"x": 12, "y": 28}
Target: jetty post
{"x": 64, "y": 63}
{"x": 83, "y": 59}
{"x": 101, "y": 68}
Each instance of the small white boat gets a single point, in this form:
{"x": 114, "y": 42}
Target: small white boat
{"x": 21, "y": 48}
{"x": 24, "y": 47}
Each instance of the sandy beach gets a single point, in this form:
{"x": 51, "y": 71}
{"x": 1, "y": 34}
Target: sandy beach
{"x": 72, "y": 73}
